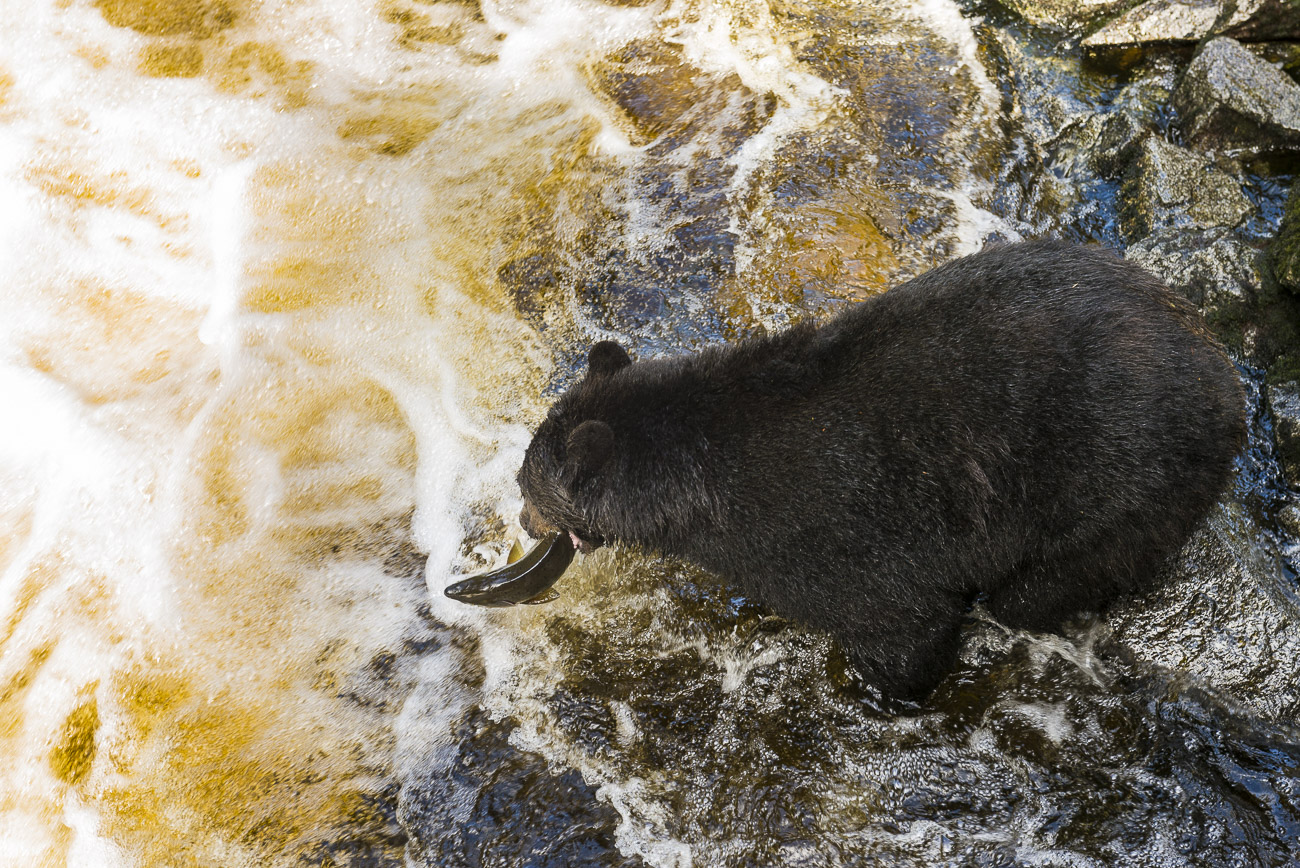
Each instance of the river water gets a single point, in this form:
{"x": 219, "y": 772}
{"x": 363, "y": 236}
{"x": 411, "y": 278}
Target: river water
{"x": 286, "y": 287}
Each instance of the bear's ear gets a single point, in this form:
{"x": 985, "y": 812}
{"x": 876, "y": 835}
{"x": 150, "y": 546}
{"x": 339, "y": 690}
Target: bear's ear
{"x": 589, "y": 447}
{"x": 605, "y": 358}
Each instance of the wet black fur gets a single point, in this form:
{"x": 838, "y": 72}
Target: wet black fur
{"x": 1041, "y": 423}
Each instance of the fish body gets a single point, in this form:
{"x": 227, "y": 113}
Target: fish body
{"x": 523, "y": 581}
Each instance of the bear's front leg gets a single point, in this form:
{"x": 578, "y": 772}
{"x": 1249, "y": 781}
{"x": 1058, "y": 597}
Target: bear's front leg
{"x": 905, "y": 650}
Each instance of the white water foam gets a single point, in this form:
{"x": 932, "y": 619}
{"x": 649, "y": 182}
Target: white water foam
{"x": 167, "y": 198}
{"x": 243, "y": 321}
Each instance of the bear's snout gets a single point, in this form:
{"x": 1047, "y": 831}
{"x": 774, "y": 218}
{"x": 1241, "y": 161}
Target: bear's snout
{"x": 533, "y": 523}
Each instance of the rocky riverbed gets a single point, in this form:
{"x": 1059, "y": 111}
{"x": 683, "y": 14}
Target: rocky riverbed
{"x": 1201, "y": 141}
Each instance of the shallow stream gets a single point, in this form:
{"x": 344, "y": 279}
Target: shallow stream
{"x": 287, "y": 286}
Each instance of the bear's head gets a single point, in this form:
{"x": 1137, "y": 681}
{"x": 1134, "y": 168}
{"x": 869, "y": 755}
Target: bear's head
{"x": 561, "y": 478}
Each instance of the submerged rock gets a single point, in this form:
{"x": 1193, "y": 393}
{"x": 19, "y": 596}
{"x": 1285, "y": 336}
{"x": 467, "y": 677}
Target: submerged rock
{"x": 1104, "y": 142}
{"x": 1193, "y": 20}
{"x": 1171, "y": 186}
{"x": 1230, "y": 98}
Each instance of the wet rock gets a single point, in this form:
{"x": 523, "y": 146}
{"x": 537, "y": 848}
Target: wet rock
{"x": 1230, "y": 282}
{"x": 1236, "y": 636}
{"x": 1066, "y": 13}
{"x": 1119, "y": 132}
{"x": 1288, "y": 518}
{"x": 1250, "y": 20}
{"x": 1104, "y": 142}
{"x": 1284, "y": 55}
{"x": 1230, "y": 98}
{"x": 497, "y": 805}
{"x": 1284, "y": 401}
{"x": 1285, "y": 250}
{"x": 1157, "y": 21}
{"x": 1193, "y": 20}
{"x": 1214, "y": 269}
{"x": 1166, "y": 185}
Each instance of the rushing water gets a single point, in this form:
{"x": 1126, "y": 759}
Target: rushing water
{"x": 287, "y": 284}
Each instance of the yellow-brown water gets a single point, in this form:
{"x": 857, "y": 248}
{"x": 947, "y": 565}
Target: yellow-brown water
{"x": 286, "y": 287}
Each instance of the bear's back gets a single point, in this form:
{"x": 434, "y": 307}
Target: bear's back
{"x": 1035, "y": 397}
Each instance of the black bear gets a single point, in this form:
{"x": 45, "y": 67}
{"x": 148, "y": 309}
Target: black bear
{"x": 1040, "y": 425}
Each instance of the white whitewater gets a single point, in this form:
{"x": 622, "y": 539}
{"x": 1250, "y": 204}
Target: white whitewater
{"x": 255, "y": 358}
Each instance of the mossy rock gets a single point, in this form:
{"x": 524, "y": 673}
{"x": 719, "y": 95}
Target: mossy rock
{"x": 1284, "y": 402}
{"x": 1285, "y": 250}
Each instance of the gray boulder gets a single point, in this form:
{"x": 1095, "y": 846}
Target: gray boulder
{"x": 1213, "y": 269}
{"x": 1169, "y": 186}
{"x": 1193, "y": 20}
{"x": 1067, "y": 14}
{"x": 1231, "y": 283}
{"x": 1188, "y": 626}
{"x": 1288, "y": 518}
{"x": 1237, "y": 634}
{"x": 1158, "y": 21}
{"x": 1230, "y": 98}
